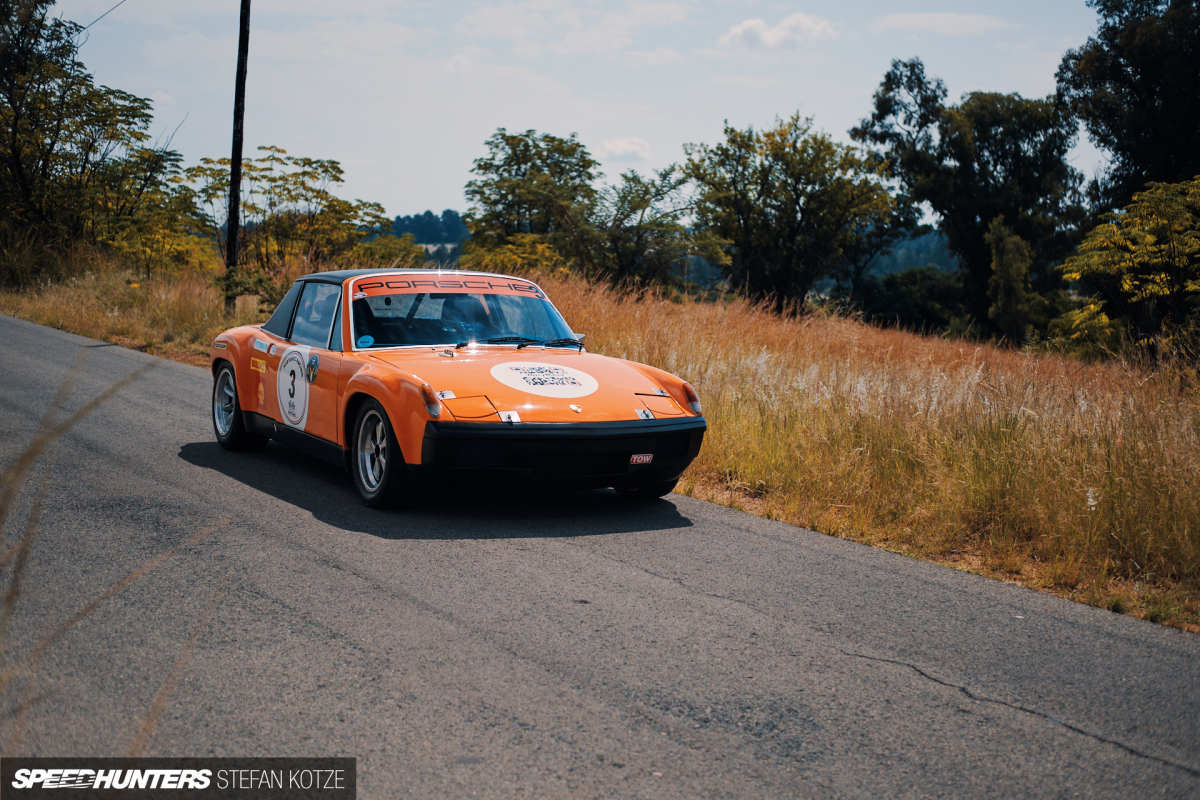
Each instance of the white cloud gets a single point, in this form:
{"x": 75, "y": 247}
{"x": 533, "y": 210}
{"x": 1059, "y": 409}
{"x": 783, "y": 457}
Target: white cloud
{"x": 943, "y": 23}
{"x": 788, "y": 32}
{"x": 631, "y": 148}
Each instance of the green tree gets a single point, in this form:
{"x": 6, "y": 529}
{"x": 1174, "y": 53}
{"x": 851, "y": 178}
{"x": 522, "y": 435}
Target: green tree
{"x": 292, "y": 220}
{"x": 793, "y": 206}
{"x": 1015, "y": 308}
{"x": 1144, "y": 260}
{"x": 992, "y": 155}
{"x": 640, "y": 236}
{"x": 75, "y": 163}
{"x": 531, "y": 183}
{"x": 1136, "y": 86}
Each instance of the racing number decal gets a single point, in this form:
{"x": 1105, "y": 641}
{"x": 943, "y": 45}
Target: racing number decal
{"x": 291, "y": 386}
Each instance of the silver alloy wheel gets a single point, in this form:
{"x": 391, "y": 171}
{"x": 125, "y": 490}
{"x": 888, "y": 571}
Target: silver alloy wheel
{"x": 224, "y": 402}
{"x": 372, "y": 447}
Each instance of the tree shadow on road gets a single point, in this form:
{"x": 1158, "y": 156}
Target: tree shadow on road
{"x": 469, "y": 511}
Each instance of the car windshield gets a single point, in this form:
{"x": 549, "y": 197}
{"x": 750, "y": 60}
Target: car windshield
{"x": 432, "y": 318}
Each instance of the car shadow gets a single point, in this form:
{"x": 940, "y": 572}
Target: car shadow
{"x": 466, "y": 511}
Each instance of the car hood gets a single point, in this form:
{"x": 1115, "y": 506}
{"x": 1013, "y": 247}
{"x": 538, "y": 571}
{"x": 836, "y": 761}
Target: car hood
{"x": 489, "y": 384}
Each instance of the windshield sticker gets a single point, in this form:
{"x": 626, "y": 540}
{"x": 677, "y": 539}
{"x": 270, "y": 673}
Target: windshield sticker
{"x": 291, "y": 386}
{"x": 380, "y": 286}
{"x": 365, "y": 341}
{"x": 546, "y": 380}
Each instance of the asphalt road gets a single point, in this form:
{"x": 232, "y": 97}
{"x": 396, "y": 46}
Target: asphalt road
{"x": 532, "y": 644}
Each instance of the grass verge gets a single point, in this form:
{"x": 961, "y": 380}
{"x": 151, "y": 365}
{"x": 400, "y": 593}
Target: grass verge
{"x": 1072, "y": 478}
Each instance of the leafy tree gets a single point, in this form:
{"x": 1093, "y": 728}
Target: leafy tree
{"x": 75, "y": 163}
{"x": 292, "y": 219}
{"x": 1015, "y": 308}
{"x": 534, "y": 194}
{"x": 428, "y": 228}
{"x": 920, "y": 299}
{"x": 453, "y": 227}
{"x": 992, "y": 155}
{"x": 793, "y": 205}
{"x": 1136, "y": 86}
{"x": 640, "y": 233}
{"x": 1144, "y": 260}
{"x": 387, "y": 250}
{"x": 521, "y": 252}
{"x": 531, "y": 183}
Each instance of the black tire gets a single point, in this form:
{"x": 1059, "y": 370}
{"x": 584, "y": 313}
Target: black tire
{"x": 228, "y": 424}
{"x": 376, "y": 463}
{"x": 650, "y": 490}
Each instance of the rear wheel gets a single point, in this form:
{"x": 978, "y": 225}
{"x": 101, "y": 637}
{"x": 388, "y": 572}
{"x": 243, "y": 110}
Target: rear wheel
{"x": 650, "y": 490}
{"x": 227, "y": 413}
{"x": 376, "y": 463}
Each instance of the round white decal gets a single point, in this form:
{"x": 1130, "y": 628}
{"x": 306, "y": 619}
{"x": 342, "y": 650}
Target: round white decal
{"x": 291, "y": 386}
{"x": 547, "y": 380}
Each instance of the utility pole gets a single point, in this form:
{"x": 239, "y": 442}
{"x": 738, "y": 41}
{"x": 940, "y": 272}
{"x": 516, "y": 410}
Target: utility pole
{"x": 235, "y": 166}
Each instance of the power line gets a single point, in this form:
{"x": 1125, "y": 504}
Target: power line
{"x": 105, "y": 14}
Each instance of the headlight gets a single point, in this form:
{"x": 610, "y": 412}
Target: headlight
{"x": 432, "y": 404}
{"x": 693, "y": 399}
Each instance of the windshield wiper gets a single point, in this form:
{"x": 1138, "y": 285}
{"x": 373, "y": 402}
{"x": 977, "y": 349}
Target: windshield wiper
{"x": 524, "y": 340}
{"x": 552, "y": 343}
{"x": 520, "y": 341}
{"x": 564, "y": 342}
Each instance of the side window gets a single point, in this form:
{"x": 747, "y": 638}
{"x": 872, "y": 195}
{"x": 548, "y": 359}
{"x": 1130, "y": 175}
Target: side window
{"x": 314, "y": 314}
{"x": 278, "y": 323}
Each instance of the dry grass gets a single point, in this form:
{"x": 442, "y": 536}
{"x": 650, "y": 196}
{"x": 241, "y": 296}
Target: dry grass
{"x": 175, "y": 316}
{"x": 1079, "y": 479}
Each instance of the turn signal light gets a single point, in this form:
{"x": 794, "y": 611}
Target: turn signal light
{"x": 432, "y": 404}
{"x": 693, "y": 399}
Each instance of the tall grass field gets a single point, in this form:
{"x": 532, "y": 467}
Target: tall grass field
{"x": 1074, "y": 478}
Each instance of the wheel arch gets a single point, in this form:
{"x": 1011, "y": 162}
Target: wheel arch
{"x": 354, "y": 401}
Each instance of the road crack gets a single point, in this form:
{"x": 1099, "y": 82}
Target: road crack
{"x": 979, "y": 698}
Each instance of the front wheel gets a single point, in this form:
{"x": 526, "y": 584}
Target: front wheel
{"x": 375, "y": 459}
{"x": 227, "y": 413}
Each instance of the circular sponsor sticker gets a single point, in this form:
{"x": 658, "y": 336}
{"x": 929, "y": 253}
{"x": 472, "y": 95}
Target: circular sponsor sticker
{"x": 547, "y": 380}
{"x": 291, "y": 386}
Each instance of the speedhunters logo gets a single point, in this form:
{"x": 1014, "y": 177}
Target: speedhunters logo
{"x": 234, "y": 778}
{"x": 75, "y": 778}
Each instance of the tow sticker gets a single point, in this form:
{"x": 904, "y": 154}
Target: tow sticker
{"x": 291, "y": 386}
{"x": 546, "y": 380}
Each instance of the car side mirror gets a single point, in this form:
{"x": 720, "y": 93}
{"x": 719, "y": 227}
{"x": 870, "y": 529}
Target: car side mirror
{"x": 579, "y": 337}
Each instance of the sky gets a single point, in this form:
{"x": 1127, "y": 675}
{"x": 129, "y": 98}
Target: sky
{"x": 404, "y": 94}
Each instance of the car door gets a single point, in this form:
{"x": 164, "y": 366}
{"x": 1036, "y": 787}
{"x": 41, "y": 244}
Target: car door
{"x": 306, "y": 373}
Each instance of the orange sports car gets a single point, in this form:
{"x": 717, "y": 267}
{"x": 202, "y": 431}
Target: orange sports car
{"x": 414, "y": 373}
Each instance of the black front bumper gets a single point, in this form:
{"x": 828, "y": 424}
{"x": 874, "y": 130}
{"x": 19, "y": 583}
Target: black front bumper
{"x": 578, "y": 453}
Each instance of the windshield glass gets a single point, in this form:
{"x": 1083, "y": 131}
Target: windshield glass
{"x": 390, "y": 319}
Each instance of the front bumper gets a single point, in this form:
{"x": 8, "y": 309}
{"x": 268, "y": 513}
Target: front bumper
{"x": 578, "y": 453}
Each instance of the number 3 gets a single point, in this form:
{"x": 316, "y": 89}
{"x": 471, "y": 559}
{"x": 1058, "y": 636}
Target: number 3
{"x": 292, "y": 388}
